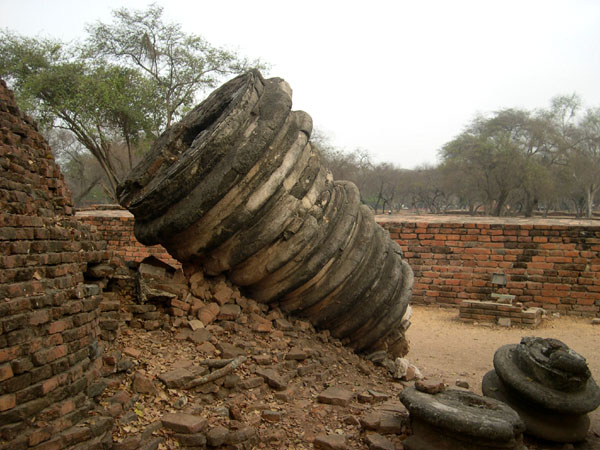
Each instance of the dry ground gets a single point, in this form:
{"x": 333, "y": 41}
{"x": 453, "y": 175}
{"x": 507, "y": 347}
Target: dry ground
{"x": 441, "y": 346}
{"x": 444, "y": 347}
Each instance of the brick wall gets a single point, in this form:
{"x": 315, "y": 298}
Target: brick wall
{"x": 116, "y": 227}
{"x": 556, "y": 267}
{"x": 49, "y": 351}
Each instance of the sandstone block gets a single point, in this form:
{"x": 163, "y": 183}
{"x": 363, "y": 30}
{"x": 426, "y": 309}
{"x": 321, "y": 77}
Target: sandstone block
{"x": 143, "y": 384}
{"x": 195, "y": 324}
{"x": 184, "y": 423}
{"x": 273, "y": 379}
{"x": 217, "y": 436}
{"x": 229, "y": 311}
{"x": 272, "y": 416}
{"x": 331, "y": 442}
{"x": 376, "y": 441}
{"x": 336, "y": 396}
{"x": 177, "y": 378}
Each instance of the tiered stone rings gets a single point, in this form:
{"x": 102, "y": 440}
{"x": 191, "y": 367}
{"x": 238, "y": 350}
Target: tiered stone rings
{"x": 548, "y": 384}
{"x": 237, "y": 188}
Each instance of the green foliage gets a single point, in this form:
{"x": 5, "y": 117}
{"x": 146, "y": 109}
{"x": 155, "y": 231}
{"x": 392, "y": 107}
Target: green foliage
{"x": 178, "y": 65}
{"x": 128, "y": 82}
{"x": 101, "y": 104}
{"x": 489, "y": 154}
{"x": 510, "y": 162}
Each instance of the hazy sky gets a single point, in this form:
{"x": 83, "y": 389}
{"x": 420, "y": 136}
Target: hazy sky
{"x": 397, "y": 78}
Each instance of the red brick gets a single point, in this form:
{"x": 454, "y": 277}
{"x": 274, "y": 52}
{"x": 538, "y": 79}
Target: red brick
{"x": 40, "y": 435}
{"x": 547, "y": 299}
{"x": 49, "y": 385}
{"x": 39, "y": 317}
{"x": 48, "y": 355}
{"x": 586, "y": 308}
{"x": 6, "y": 372}
{"x": 58, "y": 326}
{"x": 7, "y": 402}
{"x": 483, "y": 317}
{"x": 8, "y": 354}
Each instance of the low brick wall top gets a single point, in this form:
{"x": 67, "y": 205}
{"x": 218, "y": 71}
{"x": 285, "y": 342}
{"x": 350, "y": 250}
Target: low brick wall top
{"x": 549, "y": 263}
{"x": 116, "y": 226}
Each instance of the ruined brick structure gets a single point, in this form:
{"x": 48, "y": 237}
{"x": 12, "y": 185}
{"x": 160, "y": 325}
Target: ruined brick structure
{"x": 237, "y": 188}
{"x": 49, "y": 352}
{"x": 556, "y": 267}
{"x": 115, "y": 225}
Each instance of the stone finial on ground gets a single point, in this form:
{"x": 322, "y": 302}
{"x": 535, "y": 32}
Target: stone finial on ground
{"x": 548, "y": 384}
{"x": 460, "y": 420}
{"x": 237, "y": 188}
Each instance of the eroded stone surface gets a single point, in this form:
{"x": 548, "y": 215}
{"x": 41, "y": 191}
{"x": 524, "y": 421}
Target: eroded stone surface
{"x": 272, "y": 378}
{"x": 336, "y": 396}
{"x": 176, "y": 378}
{"x": 548, "y": 384}
{"x": 331, "y": 442}
{"x": 184, "y": 423}
{"x": 376, "y": 441}
{"x": 236, "y": 187}
{"x": 539, "y": 421}
{"x": 460, "y": 420}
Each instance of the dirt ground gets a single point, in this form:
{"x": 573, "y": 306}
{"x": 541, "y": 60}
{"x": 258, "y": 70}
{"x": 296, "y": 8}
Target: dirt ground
{"x": 443, "y": 346}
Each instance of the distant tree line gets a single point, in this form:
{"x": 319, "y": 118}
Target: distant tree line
{"x": 102, "y": 102}
{"x": 511, "y": 162}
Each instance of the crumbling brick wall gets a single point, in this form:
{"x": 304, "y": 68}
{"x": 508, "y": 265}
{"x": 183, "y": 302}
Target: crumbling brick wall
{"x": 49, "y": 352}
{"x": 116, "y": 227}
{"x": 556, "y": 267}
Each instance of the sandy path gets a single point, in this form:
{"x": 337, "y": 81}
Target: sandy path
{"x": 442, "y": 346}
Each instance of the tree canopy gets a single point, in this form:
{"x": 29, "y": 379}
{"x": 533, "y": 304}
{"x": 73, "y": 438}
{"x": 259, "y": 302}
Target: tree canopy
{"x": 178, "y": 65}
{"x": 120, "y": 88}
{"x": 103, "y": 100}
{"x": 517, "y": 160}
{"x": 509, "y": 162}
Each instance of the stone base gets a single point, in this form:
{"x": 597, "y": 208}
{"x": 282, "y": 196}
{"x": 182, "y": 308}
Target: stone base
{"x": 540, "y": 422}
{"x": 427, "y": 437}
{"x": 460, "y": 420}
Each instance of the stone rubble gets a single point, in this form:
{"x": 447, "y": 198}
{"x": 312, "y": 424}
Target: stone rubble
{"x": 292, "y": 387}
{"x": 183, "y": 361}
{"x": 296, "y": 388}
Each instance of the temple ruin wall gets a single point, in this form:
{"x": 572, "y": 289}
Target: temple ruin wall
{"x": 552, "y": 266}
{"x": 49, "y": 351}
{"x": 116, "y": 227}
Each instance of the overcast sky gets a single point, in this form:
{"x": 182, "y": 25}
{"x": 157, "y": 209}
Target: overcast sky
{"x": 397, "y": 78}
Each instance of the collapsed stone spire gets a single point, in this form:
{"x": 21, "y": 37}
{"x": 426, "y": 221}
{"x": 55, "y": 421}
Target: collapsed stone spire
{"x": 237, "y": 188}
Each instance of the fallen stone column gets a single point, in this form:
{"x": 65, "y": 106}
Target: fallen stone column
{"x": 548, "y": 384}
{"x": 237, "y": 188}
